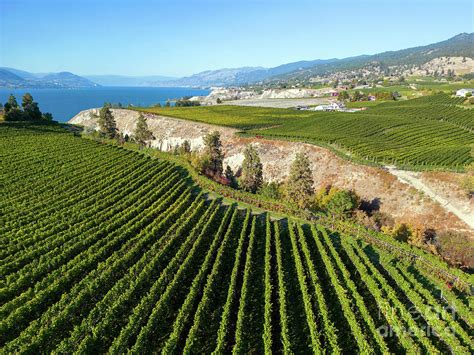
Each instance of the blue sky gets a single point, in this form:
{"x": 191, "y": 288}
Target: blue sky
{"x": 176, "y": 38}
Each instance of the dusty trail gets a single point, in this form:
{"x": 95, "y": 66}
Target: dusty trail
{"x": 413, "y": 179}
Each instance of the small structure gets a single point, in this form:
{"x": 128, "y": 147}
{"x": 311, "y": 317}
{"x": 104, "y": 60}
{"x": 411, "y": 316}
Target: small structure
{"x": 464, "y": 92}
{"x": 334, "y": 106}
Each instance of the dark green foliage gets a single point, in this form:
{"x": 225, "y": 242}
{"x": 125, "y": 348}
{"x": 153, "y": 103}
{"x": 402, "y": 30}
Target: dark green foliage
{"x": 270, "y": 190}
{"x": 11, "y": 103}
{"x": 252, "y": 170}
{"x": 229, "y": 175}
{"x": 142, "y": 134}
{"x": 299, "y": 187}
{"x": 30, "y": 107}
{"x": 15, "y": 114}
{"x": 185, "y": 147}
{"x": 28, "y": 112}
{"x": 213, "y": 148}
{"x": 47, "y": 116}
{"x": 342, "y": 203}
{"x": 107, "y": 124}
{"x": 186, "y": 103}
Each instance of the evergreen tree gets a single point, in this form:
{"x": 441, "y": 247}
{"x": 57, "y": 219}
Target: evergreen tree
{"x": 300, "y": 182}
{"x": 48, "y": 116}
{"x": 213, "y": 148}
{"x": 252, "y": 174}
{"x": 142, "y": 133}
{"x": 30, "y": 107}
{"x": 11, "y": 103}
{"x": 229, "y": 175}
{"x": 107, "y": 124}
{"x": 185, "y": 147}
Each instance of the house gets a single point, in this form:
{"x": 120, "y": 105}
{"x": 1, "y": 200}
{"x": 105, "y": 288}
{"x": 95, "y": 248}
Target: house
{"x": 464, "y": 92}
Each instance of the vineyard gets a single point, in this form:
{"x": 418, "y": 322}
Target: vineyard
{"x": 108, "y": 250}
{"x": 430, "y": 132}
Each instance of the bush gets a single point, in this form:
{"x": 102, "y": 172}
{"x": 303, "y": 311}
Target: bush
{"x": 271, "y": 190}
{"x": 456, "y": 247}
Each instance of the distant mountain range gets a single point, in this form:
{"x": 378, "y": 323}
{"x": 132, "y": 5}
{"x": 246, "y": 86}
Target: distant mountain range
{"x": 461, "y": 45}
{"x": 123, "y": 80}
{"x": 14, "y": 78}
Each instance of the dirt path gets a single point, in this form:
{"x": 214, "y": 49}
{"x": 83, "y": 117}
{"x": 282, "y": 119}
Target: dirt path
{"x": 413, "y": 179}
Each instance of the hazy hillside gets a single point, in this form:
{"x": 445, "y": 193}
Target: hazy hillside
{"x": 221, "y": 77}
{"x": 461, "y": 45}
{"x": 14, "y": 78}
{"x": 123, "y": 80}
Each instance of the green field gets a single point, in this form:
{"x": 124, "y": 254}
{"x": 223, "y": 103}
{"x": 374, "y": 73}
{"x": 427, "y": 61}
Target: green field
{"x": 105, "y": 250}
{"x": 425, "y": 133}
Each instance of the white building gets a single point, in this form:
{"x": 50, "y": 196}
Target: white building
{"x": 334, "y": 106}
{"x": 463, "y": 92}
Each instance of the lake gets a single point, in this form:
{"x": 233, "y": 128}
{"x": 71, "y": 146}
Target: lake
{"x": 66, "y": 103}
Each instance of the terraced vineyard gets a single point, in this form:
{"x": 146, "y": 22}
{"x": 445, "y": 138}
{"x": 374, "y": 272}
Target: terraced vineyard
{"x": 107, "y": 250}
{"x": 428, "y": 132}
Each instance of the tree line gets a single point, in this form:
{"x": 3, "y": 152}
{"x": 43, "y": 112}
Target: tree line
{"x": 28, "y": 111}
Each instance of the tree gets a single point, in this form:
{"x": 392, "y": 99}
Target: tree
{"x": 229, "y": 175}
{"x": 342, "y": 203}
{"x": 185, "y": 147}
{"x": 358, "y": 96}
{"x": 270, "y": 190}
{"x": 107, "y": 124}
{"x": 401, "y": 232}
{"x": 11, "y": 103}
{"x": 47, "y": 116}
{"x": 300, "y": 182}
{"x": 344, "y": 95}
{"x": 142, "y": 133}
{"x": 30, "y": 107}
{"x": 213, "y": 148}
{"x": 252, "y": 170}
{"x": 15, "y": 114}
{"x": 219, "y": 101}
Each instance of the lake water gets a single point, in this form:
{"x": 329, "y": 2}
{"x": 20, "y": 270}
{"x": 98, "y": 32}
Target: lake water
{"x": 66, "y": 103}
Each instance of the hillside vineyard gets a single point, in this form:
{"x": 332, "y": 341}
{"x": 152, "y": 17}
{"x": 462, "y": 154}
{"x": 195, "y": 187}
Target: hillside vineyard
{"x": 108, "y": 250}
{"x": 431, "y": 132}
